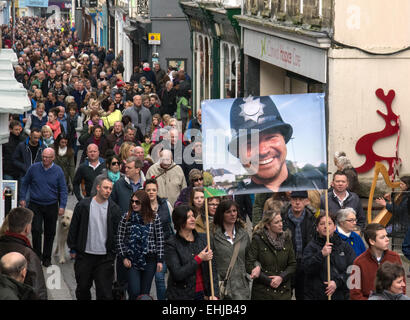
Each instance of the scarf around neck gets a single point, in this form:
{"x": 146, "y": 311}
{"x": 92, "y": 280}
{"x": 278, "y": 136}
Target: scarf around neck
{"x": 298, "y": 231}
{"x": 19, "y": 236}
{"x": 277, "y": 243}
{"x": 138, "y": 240}
{"x": 56, "y": 128}
{"x": 114, "y": 177}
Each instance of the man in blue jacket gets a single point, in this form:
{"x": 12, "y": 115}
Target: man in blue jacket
{"x": 48, "y": 198}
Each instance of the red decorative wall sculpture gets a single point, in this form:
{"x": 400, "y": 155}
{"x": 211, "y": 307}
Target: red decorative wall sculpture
{"x": 365, "y": 144}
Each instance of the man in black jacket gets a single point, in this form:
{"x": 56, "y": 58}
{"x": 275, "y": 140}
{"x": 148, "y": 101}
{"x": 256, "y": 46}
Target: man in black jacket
{"x": 340, "y": 198}
{"x": 91, "y": 240}
{"x": 16, "y": 240}
{"x": 16, "y": 136}
{"x": 13, "y": 267}
{"x": 88, "y": 171}
{"x": 315, "y": 265}
{"x": 301, "y": 221}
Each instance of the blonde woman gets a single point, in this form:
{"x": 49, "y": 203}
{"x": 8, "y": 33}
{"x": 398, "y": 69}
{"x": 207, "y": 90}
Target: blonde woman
{"x": 47, "y": 136}
{"x": 125, "y": 152}
{"x": 271, "y": 259}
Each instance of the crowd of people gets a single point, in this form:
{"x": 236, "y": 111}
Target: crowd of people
{"x": 118, "y": 146}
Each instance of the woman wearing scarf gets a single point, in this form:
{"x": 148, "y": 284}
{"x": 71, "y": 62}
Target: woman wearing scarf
{"x": 111, "y": 172}
{"x": 140, "y": 244}
{"x": 47, "y": 136}
{"x": 271, "y": 259}
{"x": 53, "y": 122}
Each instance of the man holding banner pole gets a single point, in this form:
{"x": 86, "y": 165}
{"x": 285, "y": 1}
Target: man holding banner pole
{"x": 263, "y": 153}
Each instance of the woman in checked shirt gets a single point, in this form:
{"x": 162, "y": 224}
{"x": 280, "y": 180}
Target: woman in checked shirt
{"x": 140, "y": 244}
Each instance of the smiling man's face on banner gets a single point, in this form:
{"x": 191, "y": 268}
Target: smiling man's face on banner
{"x": 262, "y": 152}
{"x": 268, "y": 157}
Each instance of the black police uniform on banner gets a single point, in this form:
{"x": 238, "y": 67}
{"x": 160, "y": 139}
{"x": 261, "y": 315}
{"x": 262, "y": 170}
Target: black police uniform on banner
{"x": 256, "y": 117}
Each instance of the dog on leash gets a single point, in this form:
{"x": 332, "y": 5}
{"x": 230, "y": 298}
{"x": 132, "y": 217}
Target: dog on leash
{"x": 62, "y": 234}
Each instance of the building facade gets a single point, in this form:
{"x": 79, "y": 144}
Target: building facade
{"x": 340, "y": 48}
{"x": 216, "y": 45}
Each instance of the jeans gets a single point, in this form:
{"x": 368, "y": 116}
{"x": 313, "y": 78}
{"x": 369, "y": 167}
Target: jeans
{"x": 160, "y": 282}
{"x": 139, "y": 281}
{"x": 48, "y": 215}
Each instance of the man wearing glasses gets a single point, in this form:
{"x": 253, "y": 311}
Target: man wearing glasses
{"x": 48, "y": 198}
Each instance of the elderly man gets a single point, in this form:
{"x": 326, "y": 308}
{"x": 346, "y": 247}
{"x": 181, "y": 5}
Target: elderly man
{"x": 116, "y": 135}
{"x": 16, "y": 240}
{"x": 140, "y": 116}
{"x": 13, "y": 268}
{"x": 138, "y": 152}
{"x": 169, "y": 175}
{"x": 48, "y": 197}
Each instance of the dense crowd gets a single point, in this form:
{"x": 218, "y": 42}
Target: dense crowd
{"x": 130, "y": 151}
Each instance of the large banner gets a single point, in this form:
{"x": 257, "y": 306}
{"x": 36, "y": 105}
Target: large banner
{"x": 265, "y": 144}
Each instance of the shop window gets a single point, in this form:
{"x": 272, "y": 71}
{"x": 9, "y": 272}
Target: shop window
{"x": 301, "y": 84}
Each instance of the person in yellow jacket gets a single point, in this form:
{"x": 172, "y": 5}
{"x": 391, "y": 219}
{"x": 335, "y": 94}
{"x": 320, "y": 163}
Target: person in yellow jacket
{"x": 112, "y": 115}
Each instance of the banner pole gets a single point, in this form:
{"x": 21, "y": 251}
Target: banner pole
{"x": 327, "y": 239}
{"x": 208, "y": 239}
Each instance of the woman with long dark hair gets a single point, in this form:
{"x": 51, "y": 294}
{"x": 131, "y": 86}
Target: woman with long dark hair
{"x": 187, "y": 255}
{"x": 229, "y": 232}
{"x": 163, "y": 209}
{"x": 140, "y": 244}
{"x": 64, "y": 157}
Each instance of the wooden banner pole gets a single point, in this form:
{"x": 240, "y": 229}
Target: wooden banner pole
{"x": 327, "y": 238}
{"x": 208, "y": 239}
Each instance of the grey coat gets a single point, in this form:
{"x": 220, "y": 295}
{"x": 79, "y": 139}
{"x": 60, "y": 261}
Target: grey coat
{"x": 387, "y": 295}
{"x": 140, "y": 117}
{"x": 238, "y": 283}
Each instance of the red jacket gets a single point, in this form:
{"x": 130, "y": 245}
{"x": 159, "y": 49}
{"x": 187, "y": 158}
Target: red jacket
{"x": 368, "y": 267}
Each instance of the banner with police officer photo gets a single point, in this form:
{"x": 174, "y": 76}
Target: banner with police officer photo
{"x": 265, "y": 144}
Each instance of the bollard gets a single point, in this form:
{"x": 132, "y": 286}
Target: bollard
{"x": 7, "y": 195}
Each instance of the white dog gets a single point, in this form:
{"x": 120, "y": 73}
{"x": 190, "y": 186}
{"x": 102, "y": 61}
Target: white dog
{"x": 62, "y": 234}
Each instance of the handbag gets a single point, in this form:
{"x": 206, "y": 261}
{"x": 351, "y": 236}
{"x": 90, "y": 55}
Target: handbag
{"x": 223, "y": 284}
